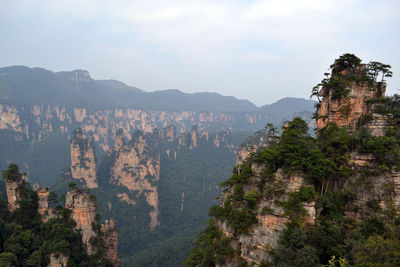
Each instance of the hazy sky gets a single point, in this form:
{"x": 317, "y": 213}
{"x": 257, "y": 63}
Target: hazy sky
{"x": 258, "y": 50}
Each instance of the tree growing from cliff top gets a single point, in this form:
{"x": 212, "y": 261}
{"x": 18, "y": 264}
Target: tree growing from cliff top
{"x": 345, "y": 62}
{"x": 374, "y": 69}
{"x": 345, "y": 73}
{"x": 72, "y": 185}
{"x": 12, "y": 173}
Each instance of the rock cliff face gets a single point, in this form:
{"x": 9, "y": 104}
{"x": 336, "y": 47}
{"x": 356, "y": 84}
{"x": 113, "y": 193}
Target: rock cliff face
{"x": 34, "y": 122}
{"x": 258, "y": 140}
{"x": 168, "y": 133}
{"x": 13, "y": 194}
{"x": 84, "y": 213}
{"x": 137, "y": 168}
{"x": 382, "y": 188}
{"x": 346, "y": 110}
{"x": 194, "y": 137}
{"x": 136, "y": 163}
{"x": 110, "y": 236}
{"x": 83, "y": 162}
{"x": 43, "y": 204}
{"x": 271, "y": 219}
{"x": 151, "y": 183}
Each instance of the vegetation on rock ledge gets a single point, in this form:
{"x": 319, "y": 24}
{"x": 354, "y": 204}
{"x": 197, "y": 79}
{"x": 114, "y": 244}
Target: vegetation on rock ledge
{"x": 357, "y": 231}
{"x": 26, "y": 241}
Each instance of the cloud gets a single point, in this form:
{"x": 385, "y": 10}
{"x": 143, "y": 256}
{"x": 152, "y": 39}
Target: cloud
{"x": 211, "y": 45}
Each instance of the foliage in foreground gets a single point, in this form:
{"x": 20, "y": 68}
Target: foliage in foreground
{"x": 26, "y": 241}
{"x": 336, "y": 238}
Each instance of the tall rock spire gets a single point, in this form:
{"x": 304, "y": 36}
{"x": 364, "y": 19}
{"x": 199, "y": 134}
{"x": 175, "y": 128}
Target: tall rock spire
{"x": 83, "y": 162}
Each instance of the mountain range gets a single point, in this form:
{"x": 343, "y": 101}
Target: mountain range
{"x": 24, "y": 85}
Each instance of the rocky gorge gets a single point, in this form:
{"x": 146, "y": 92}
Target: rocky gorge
{"x": 154, "y": 169}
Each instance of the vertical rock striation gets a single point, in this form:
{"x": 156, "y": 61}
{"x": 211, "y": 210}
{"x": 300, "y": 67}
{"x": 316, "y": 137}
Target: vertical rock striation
{"x": 13, "y": 194}
{"x": 110, "y": 236}
{"x": 168, "y": 133}
{"x": 83, "y": 162}
{"x": 84, "y": 213}
{"x": 14, "y": 182}
{"x": 43, "y": 204}
{"x": 345, "y": 111}
{"x": 194, "y": 137}
{"x": 137, "y": 168}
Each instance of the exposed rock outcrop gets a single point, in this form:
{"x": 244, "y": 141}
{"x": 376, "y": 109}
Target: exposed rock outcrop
{"x": 258, "y": 140}
{"x": 271, "y": 219}
{"x": 34, "y": 122}
{"x": 84, "y": 213}
{"x": 13, "y": 194}
{"x": 119, "y": 140}
{"x": 43, "y": 204}
{"x": 110, "y": 237}
{"x": 183, "y": 140}
{"x": 137, "y": 168}
{"x": 14, "y": 181}
{"x": 58, "y": 260}
{"x": 194, "y": 137}
{"x": 168, "y": 133}
{"x": 83, "y": 162}
{"x": 346, "y": 110}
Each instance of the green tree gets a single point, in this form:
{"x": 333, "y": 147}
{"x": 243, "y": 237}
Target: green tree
{"x": 8, "y": 259}
{"x": 345, "y": 62}
{"x": 378, "y": 251}
{"x": 12, "y": 173}
{"x": 377, "y": 68}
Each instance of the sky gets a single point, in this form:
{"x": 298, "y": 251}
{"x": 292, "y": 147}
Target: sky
{"x": 256, "y": 50}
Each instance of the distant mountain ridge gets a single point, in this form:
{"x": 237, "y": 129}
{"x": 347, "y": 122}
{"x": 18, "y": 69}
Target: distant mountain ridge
{"x": 289, "y": 105}
{"x": 24, "y": 85}
{"x": 19, "y": 84}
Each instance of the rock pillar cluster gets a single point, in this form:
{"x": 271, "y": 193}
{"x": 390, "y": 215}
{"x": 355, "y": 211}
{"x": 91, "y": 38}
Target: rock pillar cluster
{"x": 84, "y": 213}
